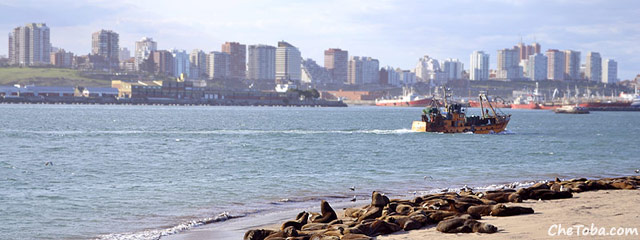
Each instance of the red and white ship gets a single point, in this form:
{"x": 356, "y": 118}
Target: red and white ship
{"x": 533, "y": 101}
{"x": 494, "y": 103}
{"x": 408, "y": 99}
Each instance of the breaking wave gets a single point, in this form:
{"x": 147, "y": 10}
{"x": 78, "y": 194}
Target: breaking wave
{"x": 154, "y": 234}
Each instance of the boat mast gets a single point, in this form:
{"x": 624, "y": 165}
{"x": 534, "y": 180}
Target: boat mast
{"x": 488, "y": 103}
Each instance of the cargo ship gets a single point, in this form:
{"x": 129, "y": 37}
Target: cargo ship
{"x": 452, "y": 119}
{"x": 408, "y": 99}
{"x": 494, "y": 103}
{"x": 533, "y": 101}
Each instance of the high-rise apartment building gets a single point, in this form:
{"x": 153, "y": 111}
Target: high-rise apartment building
{"x": 198, "y": 64}
{"x": 572, "y": 65}
{"x": 162, "y": 62}
{"x": 555, "y": 65}
{"x": 337, "y": 62}
{"x": 593, "y": 69}
{"x": 363, "y": 70}
{"x": 30, "y": 45}
{"x": 524, "y": 51}
{"x": 428, "y": 69}
{"x": 104, "y": 43}
{"x": 479, "y": 66}
{"x": 218, "y": 65}
{"x": 537, "y": 67}
{"x": 262, "y": 63}
{"x": 609, "y": 71}
{"x": 509, "y": 64}
{"x": 181, "y": 63}
{"x": 288, "y": 63}
{"x": 144, "y": 47}
{"x": 452, "y": 69}
{"x": 124, "y": 54}
{"x": 237, "y": 59}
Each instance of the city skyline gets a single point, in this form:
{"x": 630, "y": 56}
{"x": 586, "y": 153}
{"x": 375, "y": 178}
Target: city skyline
{"x": 363, "y": 29}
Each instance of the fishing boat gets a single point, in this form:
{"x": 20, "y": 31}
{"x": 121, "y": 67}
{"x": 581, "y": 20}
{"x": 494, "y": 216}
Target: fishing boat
{"x": 572, "y": 109}
{"x": 452, "y": 119}
{"x": 408, "y": 99}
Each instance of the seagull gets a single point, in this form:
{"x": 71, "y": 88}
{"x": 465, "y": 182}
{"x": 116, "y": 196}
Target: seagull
{"x": 48, "y": 163}
{"x": 637, "y": 170}
{"x": 352, "y": 188}
{"x": 429, "y": 177}
{"x": 353, "y": 199}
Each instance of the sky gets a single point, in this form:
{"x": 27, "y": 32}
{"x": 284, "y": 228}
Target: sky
{"x": 397, "y": 33}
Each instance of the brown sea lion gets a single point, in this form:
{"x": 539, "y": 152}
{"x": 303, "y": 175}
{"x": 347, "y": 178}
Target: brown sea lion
{"x": 258, "y": 234}
{"x": 327, "y": 213}
{"x": 461, "y": 225}
{"x": 501, "y": 210}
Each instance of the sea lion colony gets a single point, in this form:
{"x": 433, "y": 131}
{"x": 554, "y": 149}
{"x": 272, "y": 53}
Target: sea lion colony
{"x": 450, "y": 212}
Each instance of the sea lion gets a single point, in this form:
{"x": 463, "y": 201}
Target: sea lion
{"x": 327, "y": 213}
{"x": 258, "y": 234}
{"x": 300, "y": 221}
{"x": 482, "y": 210}
{"x": 378, "y": 199}
{"x": 500, "y": 210}
{"x": 461, "y": 225}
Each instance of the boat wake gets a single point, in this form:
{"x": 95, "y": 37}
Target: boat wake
{"x": 225, "y": 132}
{"x": 505, "y": 132}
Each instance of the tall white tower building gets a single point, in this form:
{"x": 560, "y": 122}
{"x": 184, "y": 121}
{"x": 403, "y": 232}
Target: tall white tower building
{"x": 479, "y": 66}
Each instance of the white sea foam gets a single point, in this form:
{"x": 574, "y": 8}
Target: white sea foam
{"x": 154, "y": 234}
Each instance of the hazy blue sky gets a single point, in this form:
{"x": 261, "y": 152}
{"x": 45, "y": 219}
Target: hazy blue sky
{"x": 395, "y": 32}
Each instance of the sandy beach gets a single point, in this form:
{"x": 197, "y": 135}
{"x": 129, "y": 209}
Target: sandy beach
{"x": 604, "y": 208}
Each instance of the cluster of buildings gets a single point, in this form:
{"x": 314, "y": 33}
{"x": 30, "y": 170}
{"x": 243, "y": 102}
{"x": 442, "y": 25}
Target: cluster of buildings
{"x": 526, "y": 62}
{"x": 30, "y": 45}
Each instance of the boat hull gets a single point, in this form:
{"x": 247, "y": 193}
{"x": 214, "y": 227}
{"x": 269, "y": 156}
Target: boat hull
{"x": 525, "y": 106}
{"x": 421, "y": 126}
{"x": 415, "y": 103}
{"x": 605, "y": 104}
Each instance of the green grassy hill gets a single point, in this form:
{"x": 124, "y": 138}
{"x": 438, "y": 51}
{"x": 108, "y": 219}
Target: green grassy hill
{"x": 48, "y": 77}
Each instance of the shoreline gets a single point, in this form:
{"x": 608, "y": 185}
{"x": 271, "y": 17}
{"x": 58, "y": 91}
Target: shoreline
{"x": 272, "y": 218}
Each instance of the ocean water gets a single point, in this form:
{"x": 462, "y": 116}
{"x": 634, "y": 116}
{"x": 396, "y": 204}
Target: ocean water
{"x": 120, "y": 172}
